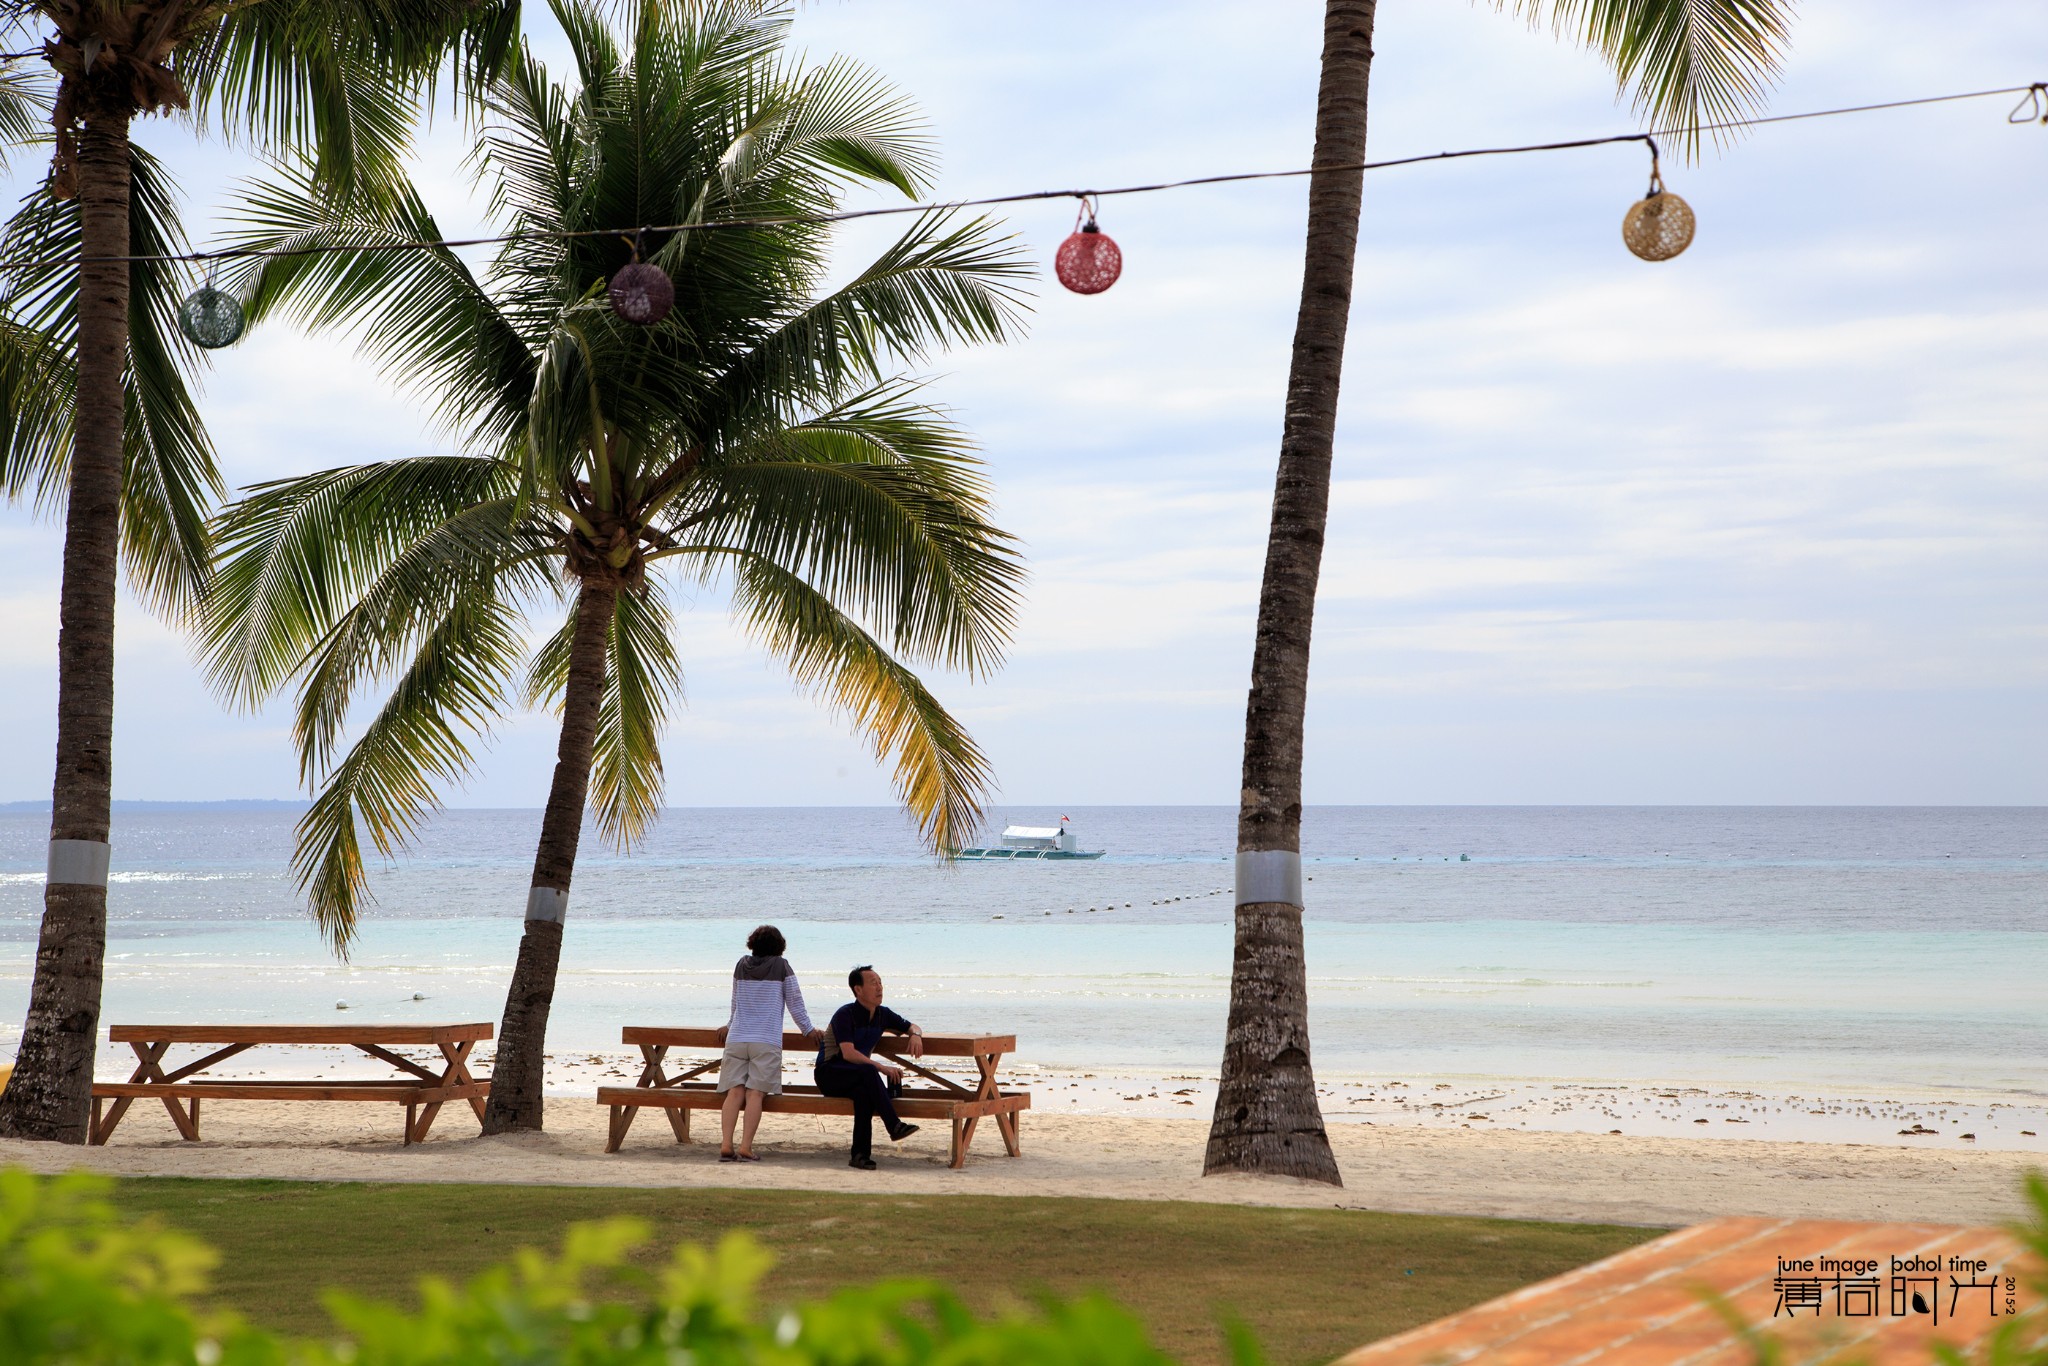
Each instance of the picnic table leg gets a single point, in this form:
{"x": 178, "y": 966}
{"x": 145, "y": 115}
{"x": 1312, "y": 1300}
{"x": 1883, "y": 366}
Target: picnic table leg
{"x": 456, "y": 1074}
{"x": 958, "y": 1157}
{"x": 187, "y": 1129}
{"x": 411, "y": 1109}
{"x": 427, "y": 1112}
{"x": 103, "y": 1128}
{"x": 149, "y": 1067}
{"x": 653, "y": 1074}
{"x": 622, "y": 1120}
{"x": 1006, "y": 1124}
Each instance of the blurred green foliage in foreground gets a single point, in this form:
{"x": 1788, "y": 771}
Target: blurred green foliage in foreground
{"x": 79, "y": 1286}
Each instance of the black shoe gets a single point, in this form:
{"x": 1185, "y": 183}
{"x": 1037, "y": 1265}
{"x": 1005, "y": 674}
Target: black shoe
{"x": 901, "y": 1132}
{"x": 864, "y": 1164}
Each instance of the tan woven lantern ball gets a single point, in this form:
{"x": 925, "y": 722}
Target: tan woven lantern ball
{"x": 1658, "y": 226}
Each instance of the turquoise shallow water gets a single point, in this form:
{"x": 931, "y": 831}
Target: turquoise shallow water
{"x": 1884, "y": 951}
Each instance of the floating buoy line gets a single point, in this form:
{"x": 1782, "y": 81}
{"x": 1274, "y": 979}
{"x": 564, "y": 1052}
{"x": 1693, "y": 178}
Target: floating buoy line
{"x": 1656, "y": 227}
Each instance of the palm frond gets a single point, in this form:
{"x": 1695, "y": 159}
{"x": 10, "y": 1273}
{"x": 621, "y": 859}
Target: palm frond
{"x": 1686, "y": 62}
{"x": 841, "y": 119}
{"x": 881, "y": 504}
{"x": 642, "y": 678}
{"x": 591, "y": 44}
{"x": 25, "y": 96}
{"x": 339, "y": 80}
{"x": 419, "y": 740}
{"x": 37, "y": 377}
{"x": 485, "y": 550}
{"x": 295, "y": 556}
{"x": 940, "y": 774}
{"x": 420, "y": 313}
{"x": 936, "y": 286}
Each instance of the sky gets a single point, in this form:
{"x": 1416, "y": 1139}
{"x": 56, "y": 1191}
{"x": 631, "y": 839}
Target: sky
{"x": 1764, "y": 524}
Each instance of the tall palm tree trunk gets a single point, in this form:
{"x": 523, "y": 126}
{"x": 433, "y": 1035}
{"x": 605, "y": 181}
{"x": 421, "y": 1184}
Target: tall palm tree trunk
{"x": 50, "y": 1096}
{"x": 1267, "y": 1119}
{"x": 521, "y": 1064}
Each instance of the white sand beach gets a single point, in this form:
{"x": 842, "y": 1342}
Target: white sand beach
{"x": 1627, "y": 1178}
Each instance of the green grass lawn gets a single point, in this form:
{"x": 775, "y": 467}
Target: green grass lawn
{"x": 1311, "y": 1283}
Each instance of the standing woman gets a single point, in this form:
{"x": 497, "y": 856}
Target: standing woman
{"x": 763, "y": 985}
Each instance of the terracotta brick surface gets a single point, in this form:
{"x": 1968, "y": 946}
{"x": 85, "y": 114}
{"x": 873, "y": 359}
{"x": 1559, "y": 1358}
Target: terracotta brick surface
{"x": 1649, "y": 1306}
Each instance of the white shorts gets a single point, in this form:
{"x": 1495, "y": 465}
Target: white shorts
{"x": 756, "y": 1066}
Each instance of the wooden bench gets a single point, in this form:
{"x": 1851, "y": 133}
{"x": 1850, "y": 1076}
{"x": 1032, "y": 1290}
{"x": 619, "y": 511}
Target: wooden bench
{"x": 421, "y": 1091}
{"x": 943, "y": 1099}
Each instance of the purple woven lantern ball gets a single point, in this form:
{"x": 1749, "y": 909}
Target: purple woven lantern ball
{"x": 642, "y": 293}
{"x": 1088, "y": 261}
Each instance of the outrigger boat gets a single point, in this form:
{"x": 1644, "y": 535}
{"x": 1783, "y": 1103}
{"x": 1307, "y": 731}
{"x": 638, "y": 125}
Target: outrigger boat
{"x": 1033, "y": 842}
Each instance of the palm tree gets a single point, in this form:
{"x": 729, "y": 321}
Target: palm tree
{"x": 754, "y": 438}
{"x": 98, "y": 413}
{"x": 1687, "y": 61}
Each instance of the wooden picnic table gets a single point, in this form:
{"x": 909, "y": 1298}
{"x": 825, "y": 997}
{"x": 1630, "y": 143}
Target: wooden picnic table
{"x": 945, "y": 1098}
{"x": 422, "y": 1091}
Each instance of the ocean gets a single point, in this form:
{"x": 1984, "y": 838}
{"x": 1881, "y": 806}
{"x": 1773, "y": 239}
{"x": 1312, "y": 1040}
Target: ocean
{"x": 1889, "y": 952}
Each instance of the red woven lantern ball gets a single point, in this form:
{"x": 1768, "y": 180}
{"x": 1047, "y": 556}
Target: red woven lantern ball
{"x": 1088, "y": 261}
{"x": 642, "y": 293}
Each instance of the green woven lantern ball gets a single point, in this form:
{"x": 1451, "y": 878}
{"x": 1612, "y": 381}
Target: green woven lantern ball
{"x": 210, "y": 318}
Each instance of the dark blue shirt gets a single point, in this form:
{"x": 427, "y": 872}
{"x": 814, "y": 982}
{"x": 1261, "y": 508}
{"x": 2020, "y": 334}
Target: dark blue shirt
{"x": 852, "y": 1024}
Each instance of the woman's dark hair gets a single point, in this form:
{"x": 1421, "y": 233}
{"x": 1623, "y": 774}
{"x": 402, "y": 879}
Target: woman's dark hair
{"x": 766, "y": 942}
{"x": 853, "y": 978}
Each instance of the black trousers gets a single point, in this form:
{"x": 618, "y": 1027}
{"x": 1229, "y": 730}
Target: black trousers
{"x": 865, "y": 1087}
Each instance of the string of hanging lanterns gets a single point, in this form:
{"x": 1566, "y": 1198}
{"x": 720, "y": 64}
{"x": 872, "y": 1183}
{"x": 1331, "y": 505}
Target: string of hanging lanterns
{"x": 1656, "y": 227}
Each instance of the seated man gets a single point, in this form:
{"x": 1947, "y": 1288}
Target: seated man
{"x": 847, "y": 1067}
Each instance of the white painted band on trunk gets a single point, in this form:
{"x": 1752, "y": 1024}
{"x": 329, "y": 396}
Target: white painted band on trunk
{"x": 78, "y": 863}
{"x": 547, "y": 903}
{"x": 1269, "y": 875}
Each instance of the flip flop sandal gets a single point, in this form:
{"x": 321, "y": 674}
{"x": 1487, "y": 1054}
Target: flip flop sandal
{"x": 728, "y": 1157}
{"x": 746, "y": 1157}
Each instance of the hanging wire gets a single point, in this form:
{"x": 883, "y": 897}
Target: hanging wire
{"x": 2036, "y": 91}
{"x": 2033, "y": 108}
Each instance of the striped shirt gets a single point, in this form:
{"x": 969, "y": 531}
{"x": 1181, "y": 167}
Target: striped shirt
{"x": 761, "y": 989}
